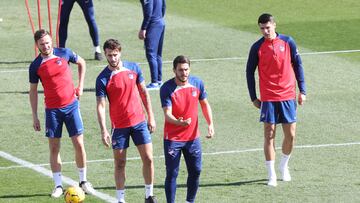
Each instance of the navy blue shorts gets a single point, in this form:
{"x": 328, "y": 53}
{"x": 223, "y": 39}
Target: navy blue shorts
{"x": 278, "y": 112}
{"x": 191, "y": 150}
{"x": 70, "y": 115}
{"x": 139, "y": 133}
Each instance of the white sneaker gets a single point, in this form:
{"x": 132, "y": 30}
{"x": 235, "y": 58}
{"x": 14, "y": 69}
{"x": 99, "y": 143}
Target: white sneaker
{"x": 57, "y": 192}
{"x": 285, "y": 174}
{"x": 153, "y": 86}
{"x": 272, "y": 181}
{"x": 87, "y": 187}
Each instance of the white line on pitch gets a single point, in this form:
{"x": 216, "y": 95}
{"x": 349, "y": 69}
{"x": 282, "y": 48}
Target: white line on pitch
{"x": 298, "y": 147}
{"x": 222, "y": 59}
{"x": 205, "y": 154}
{"x": 48, "y": 173}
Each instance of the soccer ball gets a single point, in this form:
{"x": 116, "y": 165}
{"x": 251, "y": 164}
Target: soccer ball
{"x": 74, "y": 194}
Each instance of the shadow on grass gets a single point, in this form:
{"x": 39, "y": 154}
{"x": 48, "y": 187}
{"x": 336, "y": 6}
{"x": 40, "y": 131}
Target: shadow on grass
{"x": 14, "y": 62}
{"x": 17, "y": 92}
{"x": 240, "y": 183}
{"x": 23, "y": 196}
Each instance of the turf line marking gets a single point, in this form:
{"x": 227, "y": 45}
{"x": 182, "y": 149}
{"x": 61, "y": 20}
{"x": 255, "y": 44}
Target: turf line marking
{"x": 30, "y": 165}
{"x": 46, "y": 172}
{"x": 220, "y": 59}
{"x": 297, "y": 147}
{"x": 331, "y": 52}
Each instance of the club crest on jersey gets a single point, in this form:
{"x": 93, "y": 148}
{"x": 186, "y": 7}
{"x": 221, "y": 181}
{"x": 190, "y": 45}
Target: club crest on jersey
{"x": 58, "y": 62}
{"x": 282, "y": 48}
{"x": 131, "y": 76}
{"x": 194, "y": 93}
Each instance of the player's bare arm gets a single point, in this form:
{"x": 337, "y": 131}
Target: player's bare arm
{"x": 207, "y": 112}
{"x": 100, "y": 109}
{"x": 81, "y": 71}
{"x": 33, "y": 96}
{"x": 145, "y": 98}
{"x": 169, "y": 117}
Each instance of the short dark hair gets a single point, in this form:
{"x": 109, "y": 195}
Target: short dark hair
{"x": 112, "y": 44}
{"x": 40, "y": 34}
{"x": 180, "y": 60}
{"x": 265, "y": 18}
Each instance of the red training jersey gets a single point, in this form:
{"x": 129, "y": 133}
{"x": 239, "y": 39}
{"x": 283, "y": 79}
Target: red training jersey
{"x": 120, "y": 87}
{"x": 183, "y": 101}
{"x": 56, "y": 77}
{"x": 279, "y": 67}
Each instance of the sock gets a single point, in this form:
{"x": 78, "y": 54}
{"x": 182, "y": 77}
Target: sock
{"x": 270, "y": 165}
{"x": 57, "y": 179}
{"x": 97, "y": 49}
{"x": 82, "y": 174}
{"x": 284, "y": 161}
{"x": 149, "y": 190}
{"x": 120, "y": 194}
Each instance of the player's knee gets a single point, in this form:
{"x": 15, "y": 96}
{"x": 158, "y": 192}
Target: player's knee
{"x": 120, "y": 164}
{"x": 195, "y": 173}
{"x": 269, "y": 132}
{"x": 151, "y": 55}
{"x": 290, "y": 136}
{"x": 54, "y": 150}
{"x": 171, "y": 174}
{"x": 148, "y": 161}
{"x": 78, "y": 144}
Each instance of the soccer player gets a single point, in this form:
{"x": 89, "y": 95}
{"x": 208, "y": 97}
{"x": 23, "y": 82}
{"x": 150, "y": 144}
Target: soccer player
{"x": 123, "y": 84}
{"x": 279, "y": 67}
{"x": 179, "y": 99}
{"x": 152, "y": 32}
{"x": 61, "y": 104}
{"x": 87, "y": 8}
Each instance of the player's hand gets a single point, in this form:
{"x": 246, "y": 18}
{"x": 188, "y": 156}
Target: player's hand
{"x": 105, "y": 138}
{"x": 211, "y": 131}
{"x": 78, "y": 92}
{"x": 36, "y": 124}
{"x": 142, "y": 34}
{"x": 257, "y": 103}
{"x": 151, "y": 125}
{"x": 301, "y": 98}
{"x": 183, "y": 122}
